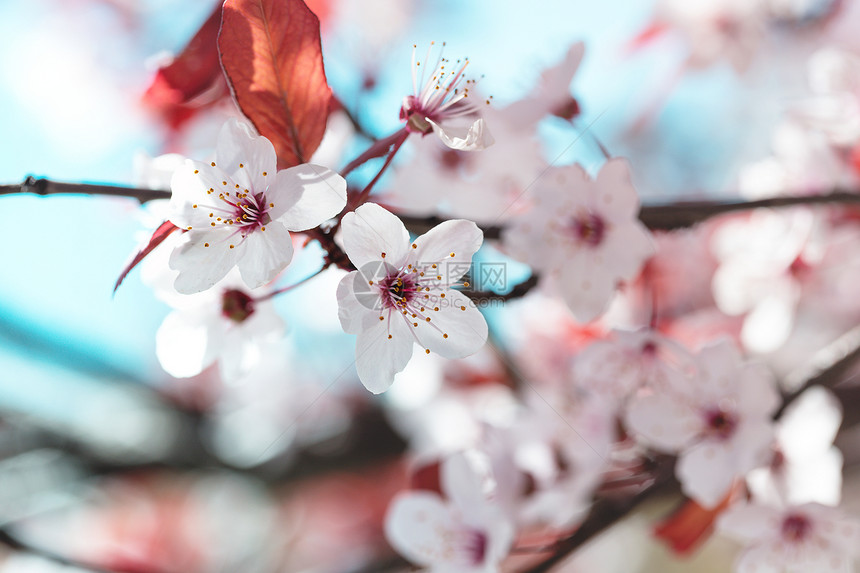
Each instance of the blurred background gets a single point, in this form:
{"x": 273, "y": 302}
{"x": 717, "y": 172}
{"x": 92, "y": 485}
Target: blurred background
{"x": 108, "y": 460}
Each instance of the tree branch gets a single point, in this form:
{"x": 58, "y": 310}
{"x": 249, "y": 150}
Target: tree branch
{"x": 46, "y": 187}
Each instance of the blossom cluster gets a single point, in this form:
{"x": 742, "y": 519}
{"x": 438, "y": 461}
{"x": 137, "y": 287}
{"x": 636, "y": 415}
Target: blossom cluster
{"x": 542, "y": 344}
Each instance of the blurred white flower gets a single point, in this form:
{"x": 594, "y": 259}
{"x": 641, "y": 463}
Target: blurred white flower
{"x": 806, "y": 466}
{"x": 808, "y": 537}
{"x": 583, "y": 234}
{"x": 463, "y": 533}
{"x": 718, "y": 421}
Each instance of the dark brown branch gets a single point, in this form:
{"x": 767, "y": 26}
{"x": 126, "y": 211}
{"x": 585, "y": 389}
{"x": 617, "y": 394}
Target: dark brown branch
{"x": 663, "y": 217}
{"x": 608, "y": 511}
{"x": 670, "y": 216}
{"x": 47, "y": 187}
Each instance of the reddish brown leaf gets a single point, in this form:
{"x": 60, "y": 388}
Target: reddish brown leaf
{"x": 193, "y": 79}
{"x": 691, "y": 524}
{"x": 272, "y": 56}
{"x": 161, "y": 233}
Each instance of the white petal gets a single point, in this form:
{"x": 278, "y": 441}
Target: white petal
{"x": 768, "y": 325}
{"x": 419, "y": 526}
{"x": 462, "y": 484}
{"x": 305, "y": 196}
{"x": 266, "y": 253}
{"x": 456, "y": 330}
{"x": 199, "y": 266}
{"x": 356, "y": 314}
{"x": 765, "y": 558}
{"x": 370, "y": 231}
{"x": 617, "y": 197}
{"x": 815, "y": 478}
{"x": 464, "y": 138}
{"x": 187, "y": 342}
{"x": 586, "y": 287}
{"x": 190, "y": 188}
{"x": 756, "y": 389}
{"x": 458, "y": 237}
{"x": 237, "y": 144}
{"x": 662, "y": 421}
{"x": 378, "y": 358}
{"x": 706, "y": 472}
{"x": 809, "y": 424}
{"x": 746, "y": 522}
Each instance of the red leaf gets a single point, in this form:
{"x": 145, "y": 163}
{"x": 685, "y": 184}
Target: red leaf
{"x": 691, "y": 524}
{"x": 161, "y": 233}
{"x": 271, "y": 53}
{"x": 193, "y": 79}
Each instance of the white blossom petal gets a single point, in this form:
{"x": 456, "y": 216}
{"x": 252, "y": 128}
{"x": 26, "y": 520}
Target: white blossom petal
{"x": 378, "y": 358}
{"x": 457, "y": 330}
{"x": 615, "y": 190}
{"x": 266, "y": 254}
{"x": 419, "y": 526}
{"x": 305, "y": 196}
{"x": 456, "y": 237}
{"x": 239, "y": 145}
{"x": 204, "y": 259}
{"x": 706, "y": 472}
{"x": 663, "y": 421}
{"x": 464, "y": 138}
{"x": 182, "y": 343}
{"x": 355, "y": 315}
{"x": 370, "y": 231}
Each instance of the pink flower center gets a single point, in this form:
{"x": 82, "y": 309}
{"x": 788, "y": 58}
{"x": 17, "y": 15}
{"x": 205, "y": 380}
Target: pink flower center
{"x": 451, "y": 159}
{"x": 441, "y": 97}
{"x": 589, "y": 229}
{"x": 476, "y": 547}
{"x": 398, "y": 290}
{"x": 720, "y": 423}
{"x": 236, "y": 305}
{"x": 796, "y": 527}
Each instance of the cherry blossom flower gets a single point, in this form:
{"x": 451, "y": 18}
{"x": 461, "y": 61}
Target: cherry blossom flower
{"x": 481, "y": 187}
{"x": 809, "y": 537}
{"x": 583, "y": 234}
{"x": 774, "y": 266}
{"x": 806, "y": 466}
{"x": 227, "y": 324}
{"x": 758, "y": 255}
{"x": 571, "y": 437}
{"x": 441, "y": 105}
{"x": 238, "y": 210}
{"x": 627, "y": 361}
{"x": 400, "y": 293}
{"x": 462, "y": 533}
{"x": 718, "y": 421}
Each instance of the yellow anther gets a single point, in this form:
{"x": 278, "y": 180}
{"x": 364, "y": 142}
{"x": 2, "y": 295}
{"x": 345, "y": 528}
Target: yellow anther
{"x": 444, "y": 336}
{"x": 213, "y": 164}
{"x": 205, "y": 244}
{"x": 196, "y": 171}
{"x": 427, "y": 351}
